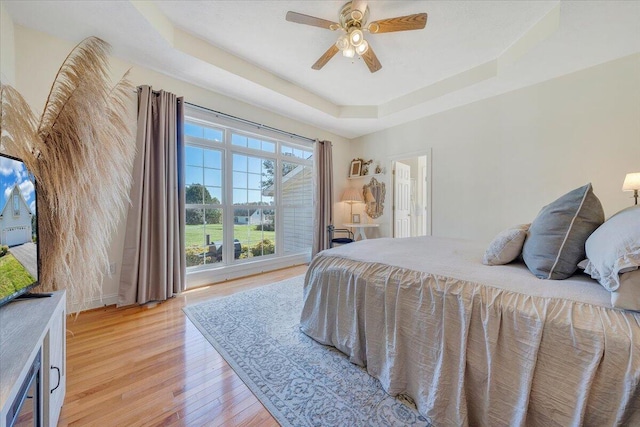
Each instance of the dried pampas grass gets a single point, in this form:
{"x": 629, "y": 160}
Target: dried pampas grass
{"x": 81, "y": 153}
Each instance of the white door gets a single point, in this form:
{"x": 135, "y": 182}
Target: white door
{"x": 402, "y": 200}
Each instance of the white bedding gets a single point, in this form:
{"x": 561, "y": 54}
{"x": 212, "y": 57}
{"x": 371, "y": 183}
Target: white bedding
{"x": 476, "y": 344}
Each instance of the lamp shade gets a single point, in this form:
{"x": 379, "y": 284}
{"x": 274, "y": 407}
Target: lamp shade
{"x": 351, "y": 195}
{"x": 631, "y": 182}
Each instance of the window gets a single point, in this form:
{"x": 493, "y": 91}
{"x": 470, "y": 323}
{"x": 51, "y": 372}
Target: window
{"x": 16, "y": 204}
{"x": 249, "y": 195}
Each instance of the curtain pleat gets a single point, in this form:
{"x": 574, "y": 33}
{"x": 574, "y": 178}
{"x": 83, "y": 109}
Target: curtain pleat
{"x": 323, "y": 195}
{"x": 153, "y": 260}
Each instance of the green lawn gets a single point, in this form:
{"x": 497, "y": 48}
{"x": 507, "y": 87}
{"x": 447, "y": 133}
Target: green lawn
{"x": 13, "y": 276}
{"x": 247, "y": 234}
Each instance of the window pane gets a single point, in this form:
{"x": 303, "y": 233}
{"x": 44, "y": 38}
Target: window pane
{"x": 297, "y": 225}
{"x": 239, "y": 196}
{"x": 191, "y": 129}
{"x": 213, "y": 159}
{"x": 212, "y": 195}
{"x": 254, "y": 230}
{"x": 216, "y": 193}
{"x": 268, "y": 146}
{"x": 239, "y": 180}
{"x": 239, "y": 163}
{"x": 213, "y": 177}
{"x": 255, "y": 181}
{"x": 296, "y": 152}
{"x": 203, "y": 236}
{"x": 254, "y": 143}
{"x": 255, "y": 164}
{"x": 194, "y": 237}
{"x": 297, "y": 184}
{"x": 194, "y": 194}
{"x": 213, "y": 134}
{"x": 193, "y": 175}
{"x": 213, "y": 235}
{"x": 255, "y": 196}
{"x": 297, "y": 212}
{"x": 193, "y": 156}
{"x": 239, "y": 140}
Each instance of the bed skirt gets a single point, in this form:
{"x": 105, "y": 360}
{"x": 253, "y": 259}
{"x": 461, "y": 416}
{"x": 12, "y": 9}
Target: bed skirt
{"x": 477, "y": 355}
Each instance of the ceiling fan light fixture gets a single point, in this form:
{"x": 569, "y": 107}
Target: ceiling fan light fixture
{"x": 356, "y": 15}
{"x": 356, "y": 37}
{"x": 343, "y": 42}
{"x": 349, "y": 52}
{"x": 362, "y": 48}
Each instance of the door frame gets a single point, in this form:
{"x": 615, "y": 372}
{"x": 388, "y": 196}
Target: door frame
{"x": 429, "y": 186}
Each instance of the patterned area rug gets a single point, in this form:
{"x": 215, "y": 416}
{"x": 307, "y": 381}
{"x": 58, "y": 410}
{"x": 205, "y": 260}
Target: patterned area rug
{"x": 301, "y": 382}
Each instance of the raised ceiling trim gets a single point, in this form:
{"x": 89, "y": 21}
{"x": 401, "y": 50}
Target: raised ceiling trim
{"x": 214, "y": 56}
{"x": 538, "y": 32}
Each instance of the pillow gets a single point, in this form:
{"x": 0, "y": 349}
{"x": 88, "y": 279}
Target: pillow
{"x": 555, "y": 243}
{"x": 506, "y": 246}
{"x": 614, "y": 248}
{"x": 628, "y": 295}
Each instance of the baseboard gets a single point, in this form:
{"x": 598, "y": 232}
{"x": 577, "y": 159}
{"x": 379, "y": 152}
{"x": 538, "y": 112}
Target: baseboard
{"x": 105, "y": 300}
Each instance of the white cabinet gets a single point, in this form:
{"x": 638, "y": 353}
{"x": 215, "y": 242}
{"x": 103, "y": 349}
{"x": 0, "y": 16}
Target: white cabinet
{"x": 30, "y": 329}
{"x": 54, "y": 368}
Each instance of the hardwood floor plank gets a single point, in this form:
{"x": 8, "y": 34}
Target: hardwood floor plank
{"x": 139, "y": 366}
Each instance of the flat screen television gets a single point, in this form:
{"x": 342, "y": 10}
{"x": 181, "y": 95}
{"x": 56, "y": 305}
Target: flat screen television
{"x": 19, "y": 255}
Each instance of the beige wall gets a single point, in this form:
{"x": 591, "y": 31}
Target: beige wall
{"x": 496, "y": 162}
{"x": 7, "y": 48}
{"x": 38, "y": 57}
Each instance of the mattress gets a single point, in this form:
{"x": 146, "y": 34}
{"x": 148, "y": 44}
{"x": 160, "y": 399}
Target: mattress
{"x": 475, "y": 344}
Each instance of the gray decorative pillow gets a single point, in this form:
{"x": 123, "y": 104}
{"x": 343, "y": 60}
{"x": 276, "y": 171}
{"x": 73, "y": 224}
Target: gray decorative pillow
{"x": 555, "y": 243}
{"x": 506, "y": 246}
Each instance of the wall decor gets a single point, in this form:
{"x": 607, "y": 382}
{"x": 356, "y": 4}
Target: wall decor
{"x": 356, "y": 167}
{"x": 374, "y": 193}
{"x": 355, "y": 218}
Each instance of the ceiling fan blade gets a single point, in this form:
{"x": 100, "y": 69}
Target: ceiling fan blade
{"x": 300, "y": 18}
{"x": 402, "y": 23}
{"x": 321, "y": 62}
{"x": 371, "y": 60}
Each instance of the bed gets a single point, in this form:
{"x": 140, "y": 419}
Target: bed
{"x": 474, "y": 344}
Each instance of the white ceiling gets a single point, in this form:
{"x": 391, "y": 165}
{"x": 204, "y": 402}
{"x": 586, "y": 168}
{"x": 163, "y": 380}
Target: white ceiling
{"x": 468, "y": 51}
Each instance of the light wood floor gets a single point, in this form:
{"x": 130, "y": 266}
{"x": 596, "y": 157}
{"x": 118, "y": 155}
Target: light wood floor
{"x": 151, "y": 367}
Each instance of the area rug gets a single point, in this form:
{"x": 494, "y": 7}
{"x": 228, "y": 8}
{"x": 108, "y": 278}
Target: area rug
{"x": 301, "y": 382}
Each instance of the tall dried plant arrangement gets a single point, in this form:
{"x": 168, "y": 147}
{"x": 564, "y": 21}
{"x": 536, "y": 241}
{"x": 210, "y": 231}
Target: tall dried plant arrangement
{"x": 81, "y": 154}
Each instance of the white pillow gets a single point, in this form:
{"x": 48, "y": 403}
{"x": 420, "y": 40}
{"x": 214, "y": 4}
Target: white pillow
{"x": 506, "y": 246}
{"x": 614, "y": 248}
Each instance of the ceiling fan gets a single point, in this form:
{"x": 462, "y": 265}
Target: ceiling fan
{"x": 353, "y": 23}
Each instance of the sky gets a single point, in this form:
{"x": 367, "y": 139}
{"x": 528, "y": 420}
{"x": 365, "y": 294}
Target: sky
{"x": 14, "y": 172}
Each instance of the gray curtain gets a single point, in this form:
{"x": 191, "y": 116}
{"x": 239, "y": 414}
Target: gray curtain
{"x": 323, "y": 195}
{"x": 153, "y": 260}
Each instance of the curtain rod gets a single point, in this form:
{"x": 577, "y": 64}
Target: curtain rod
{"x": 249, "y": 122}
{"x": 241, "y": 120}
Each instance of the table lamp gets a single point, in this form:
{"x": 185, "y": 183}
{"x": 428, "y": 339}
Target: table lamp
{"x": 632, "y": 183}
{"x": 351, "y": 196}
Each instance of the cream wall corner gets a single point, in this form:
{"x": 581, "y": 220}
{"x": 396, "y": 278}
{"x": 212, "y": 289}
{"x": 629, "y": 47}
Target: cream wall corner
{"x": 496, "y": 162}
